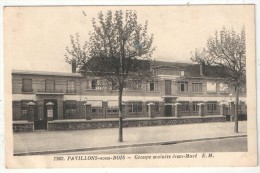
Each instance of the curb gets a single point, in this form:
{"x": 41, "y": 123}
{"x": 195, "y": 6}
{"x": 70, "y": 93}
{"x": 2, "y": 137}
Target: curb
{"x": 122, "y": 146}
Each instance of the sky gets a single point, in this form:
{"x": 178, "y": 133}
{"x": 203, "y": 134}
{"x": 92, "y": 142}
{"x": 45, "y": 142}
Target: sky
{"x": 35, "y": 38}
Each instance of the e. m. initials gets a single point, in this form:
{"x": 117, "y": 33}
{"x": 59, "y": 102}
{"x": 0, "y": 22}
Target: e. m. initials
{"x": 207, "y": 155}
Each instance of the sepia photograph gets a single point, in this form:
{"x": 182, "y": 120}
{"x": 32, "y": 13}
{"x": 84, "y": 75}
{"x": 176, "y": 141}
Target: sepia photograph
{"x": 130, "y": 86}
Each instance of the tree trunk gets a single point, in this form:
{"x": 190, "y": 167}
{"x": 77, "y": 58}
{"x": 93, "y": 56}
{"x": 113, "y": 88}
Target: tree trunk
{"x": 120, "y": 137}
{"x": 236, "y": 112}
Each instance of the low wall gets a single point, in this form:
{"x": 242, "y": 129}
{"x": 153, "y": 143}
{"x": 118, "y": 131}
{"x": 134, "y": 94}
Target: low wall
{"x": 23, "y": 126}
{"x": 137, "y": 122}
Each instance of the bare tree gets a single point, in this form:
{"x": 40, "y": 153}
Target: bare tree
{"x": 118, "y": 50}
{"x": 226, "y": 54}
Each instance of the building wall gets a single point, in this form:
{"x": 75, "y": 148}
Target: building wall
{"x": 84, "y": 93}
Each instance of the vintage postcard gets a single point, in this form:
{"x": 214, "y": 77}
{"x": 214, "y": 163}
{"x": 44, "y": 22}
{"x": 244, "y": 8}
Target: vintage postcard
{"x": 130, "y": 86}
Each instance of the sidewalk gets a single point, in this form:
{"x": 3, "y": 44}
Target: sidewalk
{"x": 45, "y": 142}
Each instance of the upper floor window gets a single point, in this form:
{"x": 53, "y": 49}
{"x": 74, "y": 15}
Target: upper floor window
{"x": 94, "y": 84}
{"x": 182, "y": 86}
{"x": 135, "y": 85}
{"x": 223, "y": 87}
{"x": 211, "y": 87}
{"x": 196, "y": 87}
{"x": 111, "y": 85}
{"x": 71, "y": 86}
{"x": 49, "y": 85}
{"x": 27, "y": 85}
{"x": 151, "y": 86}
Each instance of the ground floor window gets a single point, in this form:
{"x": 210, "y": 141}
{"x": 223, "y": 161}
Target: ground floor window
{"x": 17, "y": 110}
{"x": 135, "y": 107}
{"x": 70, "y": 109}
{"x": 24, "y": 108}
{"x": 212, "y": 106}
{"x": 185, "y": 106}
{"x": 195, "y": 106}
{"x": 112, "y": 111}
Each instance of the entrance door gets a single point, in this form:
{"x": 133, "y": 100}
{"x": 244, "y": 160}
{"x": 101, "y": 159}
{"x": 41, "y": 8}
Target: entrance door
{"x": 40, "y": 119}
{"x": 168, "y": 85}
{"x": 168, "y": 110}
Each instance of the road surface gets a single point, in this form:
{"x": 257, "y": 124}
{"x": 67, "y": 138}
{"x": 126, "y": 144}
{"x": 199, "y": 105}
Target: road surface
{"x": 238, "y": 144}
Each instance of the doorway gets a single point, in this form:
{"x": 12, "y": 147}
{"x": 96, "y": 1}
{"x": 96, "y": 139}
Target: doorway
{"x": 168, "y": 110}
{"x": 40, "y": 119}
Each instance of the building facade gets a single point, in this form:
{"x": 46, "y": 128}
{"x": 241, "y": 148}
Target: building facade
{"x": 176, "y": 89}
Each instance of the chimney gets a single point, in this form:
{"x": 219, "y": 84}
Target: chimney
{"x": 202, "y": 68}
{"x": 74, "y": 66}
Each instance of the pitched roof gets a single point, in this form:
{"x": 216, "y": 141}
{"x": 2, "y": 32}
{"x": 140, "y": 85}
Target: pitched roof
{"x": 46, "y": 73}
{"x": 190, "y": 69}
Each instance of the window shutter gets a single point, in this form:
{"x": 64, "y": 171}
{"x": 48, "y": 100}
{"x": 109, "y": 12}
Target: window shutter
{"x": 98, "y": 84}
{"x": 88, "y": 83}
{"x": 143, "y": 86}
{"x": 148, "y": 86}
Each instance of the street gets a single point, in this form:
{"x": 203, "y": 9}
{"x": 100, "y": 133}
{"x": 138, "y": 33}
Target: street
{"x": 238, "y": 144}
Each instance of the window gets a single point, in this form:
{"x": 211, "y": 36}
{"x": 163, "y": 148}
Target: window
{"x": 151, "y": 86}
{"x": 212, "y": 106}
{"x": 195, "y": 106}
{"x": 182, "y": 86}
{"x": 27, "y": 85}
{"x": 114, "y": 86}
{"x": 185, "y": 106}
{"x": 196, "y": 87}
{"x": 156, "y": 107}
{"x": 70, "y": 109}
{"x": 71, "y": 86}
{"x": 17, "y": 110}
{"x": 24, "y": 108}
{"x": 223, "y": 87}
{"x": 135, "y": 85}
{"x": 94, "y": 84}
{"x": 112, "y": 111}
{"x": 211, "y": 87}
{"x": 135, "y": 107}
{"x": 49, "y": 85}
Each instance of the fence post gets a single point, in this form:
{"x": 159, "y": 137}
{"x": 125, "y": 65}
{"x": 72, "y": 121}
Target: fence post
{"x": 87, "y": 111}
{"x": 150, "y": 110}
{"x": 201, "y": 109}
{"x": 31, "y": 111}
{"x": 177, "y": 109}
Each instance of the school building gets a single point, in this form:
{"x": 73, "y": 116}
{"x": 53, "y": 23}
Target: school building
{"x": 175, "y": 90}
